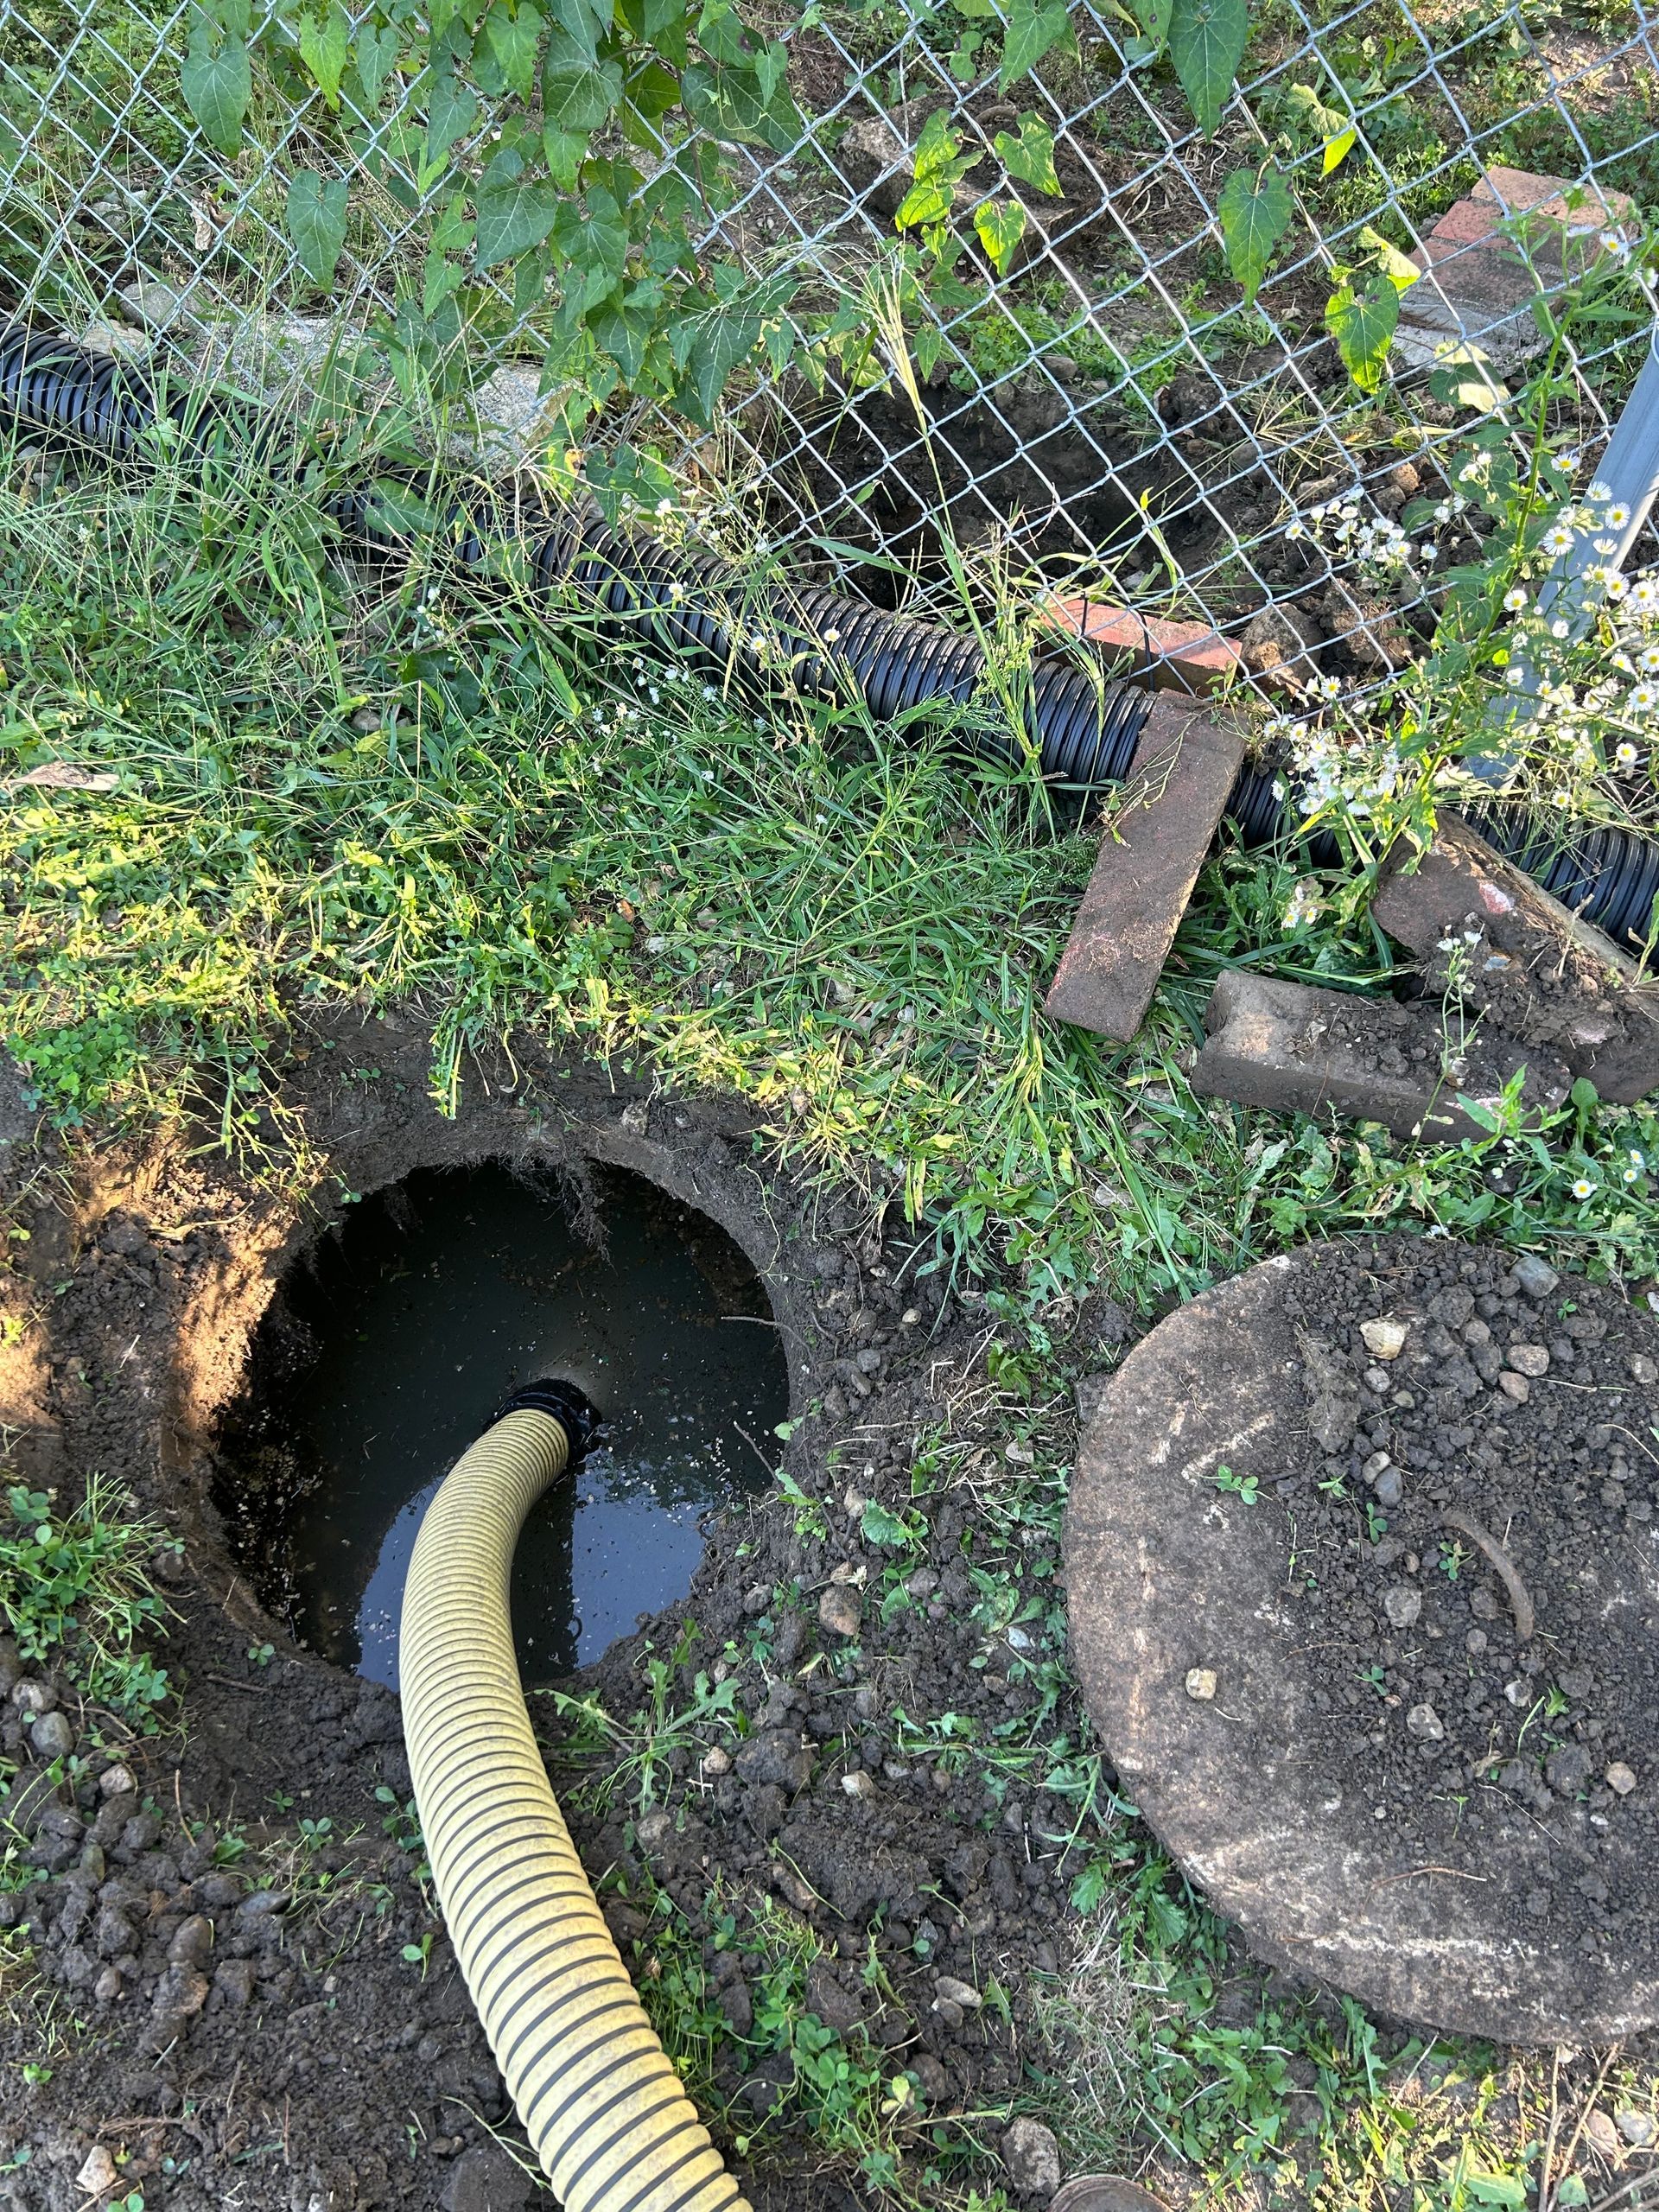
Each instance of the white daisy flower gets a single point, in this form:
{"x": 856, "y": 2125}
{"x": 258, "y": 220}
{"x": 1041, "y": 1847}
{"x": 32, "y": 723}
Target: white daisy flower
{"x": 1584, "y": 1188}
{"x": 1558, "y": 539}
{"x": 1618, "y": 514}
{"x": 1515, "y": 600}
{"x": 1625, "y": 756}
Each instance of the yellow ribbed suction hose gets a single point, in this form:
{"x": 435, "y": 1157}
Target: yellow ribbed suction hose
{"x": 593, "y": 2087}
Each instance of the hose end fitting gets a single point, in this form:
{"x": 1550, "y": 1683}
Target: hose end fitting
{"x": 576, "y": 1413}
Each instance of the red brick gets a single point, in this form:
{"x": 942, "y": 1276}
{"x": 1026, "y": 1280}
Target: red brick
{"x": 1180, "y": 656}
{"x": 1295, "y": 1049}
{"x": 1518, "y": 192}
{"x": 1589, "y": 1002}
{"x": 1184, "y": 768}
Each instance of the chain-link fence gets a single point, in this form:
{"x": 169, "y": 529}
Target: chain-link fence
{"x": 1132, "y": 347}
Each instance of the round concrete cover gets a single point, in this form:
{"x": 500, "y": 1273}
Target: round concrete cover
{"x": 1166, "y": 1574}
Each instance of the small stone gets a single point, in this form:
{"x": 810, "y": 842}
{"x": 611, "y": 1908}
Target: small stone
{"x": 192, "y": 1940}
{"x": 1425, "y": 1724}
{"x": 869, "y": 1361}
{"x": 118, "y": 1782}
{"x": 1032, "y": 2158}
{"x": 1390, "y": 1488}
{"x": 1384, "y": 1339}
{"x": 1529, "y": 1359}
{"x": 756, "y": 1599}
{"x": 1620, "y": 1778}
{"x": 1202, "y": 1684}
{"x": 1475, "y": 1641}
{"x": 98, "y": 2174}
{"x": 1635, "y": 2127}
{"x": 1515, "y": 1386}
{"x": 1401, "y": 1605}
{"x": 51, "y": 1736}
{"x": 959, "y": 1992}
{"x": 717, "y": 1760}
{"x": 1483, "y": 1603}
{"x": 32, "y": 1698}
{"x": 261, "y": 1905}
{"x": 108, "y": 1984}
{"x": 1643, "y": 1369}
{"x": 1518, "y": 1693}
{"x": 1375, "y": 1465}
{"x": 651, "y": 1831}
{"x": 1600, "y": 2133}
{"x": 858, "y": 1784}
{"x": 841, "y": 1610}
{"x": 1536, "y": 1276}
{"x": 1378, "y": 1379}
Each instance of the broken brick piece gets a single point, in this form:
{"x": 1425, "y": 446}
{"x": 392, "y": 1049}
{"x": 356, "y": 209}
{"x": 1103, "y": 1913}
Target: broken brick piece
{"x": 1169, "y": 808}
{"x": 1484, "y": 932}
{"x": 1296, "y": 1049}
{"x": 1477, "y": 287}
{"x": 1178, "y": 655}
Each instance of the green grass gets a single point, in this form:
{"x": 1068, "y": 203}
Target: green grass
{"x": 77, "y": 1593}
{"x": 334, "y": 788}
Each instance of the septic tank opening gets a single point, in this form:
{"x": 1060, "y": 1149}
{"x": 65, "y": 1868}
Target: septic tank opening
{"x": 391, "y": 1344}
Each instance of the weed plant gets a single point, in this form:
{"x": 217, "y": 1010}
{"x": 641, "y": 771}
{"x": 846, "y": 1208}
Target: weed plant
{"x": 77, "y": 1593}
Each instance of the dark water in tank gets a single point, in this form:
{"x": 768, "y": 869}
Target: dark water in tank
{"x": 429, "y": 1307}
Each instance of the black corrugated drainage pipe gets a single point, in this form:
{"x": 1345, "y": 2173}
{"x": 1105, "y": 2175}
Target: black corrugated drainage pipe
{"x": 820, "y": 642}
{"x": 598, "y": 2096}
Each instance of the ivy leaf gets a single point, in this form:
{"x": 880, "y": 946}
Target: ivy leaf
{"x": 724, "y": 337}
{"x": 514, "y": 40}
{"x": 325, "y": 49}
{"x": 376, "y": 54}
{"x": 577, "y": 94}
{"x": 1388, "y": 260}
{"x": 1031, "y": 156}
{"x": 625, "y": 332}
{"x": 649, "y": 91}
{"x": 315, "y": 216}
{"x": 924, "y": 205}
{"x": 1206, "y": 44}
{"x": 514, "y": 211}
{"x": 1255, "y": 208}
{"x": 452, "y": 109}
{"x": 1033, "y": 26}
{"x": 217, "y": 87}
{"x": 586, "y": 22}
{"x": 1000, "y": 225}
{"x": 1364, "y": 324}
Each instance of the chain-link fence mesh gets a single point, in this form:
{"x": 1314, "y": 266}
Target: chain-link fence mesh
{"x": 1091, "y": 393}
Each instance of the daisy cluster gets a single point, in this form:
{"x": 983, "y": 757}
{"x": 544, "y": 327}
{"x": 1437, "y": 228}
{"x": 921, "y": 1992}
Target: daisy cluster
{"x": 1337, "y": 770}
{"x": 1373, "y": 541}
{"x": 1582, "y": 657}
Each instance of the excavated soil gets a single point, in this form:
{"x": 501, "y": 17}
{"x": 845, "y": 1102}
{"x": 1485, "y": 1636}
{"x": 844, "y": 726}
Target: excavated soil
{"x": 1465, "y": 1515}
{"x": 215, "y": 1968}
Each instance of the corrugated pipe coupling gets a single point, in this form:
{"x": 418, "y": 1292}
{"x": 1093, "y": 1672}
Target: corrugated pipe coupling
{"x": 597, "y": 2094}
